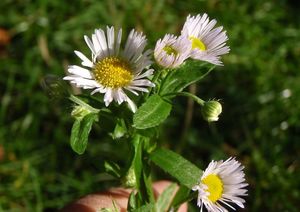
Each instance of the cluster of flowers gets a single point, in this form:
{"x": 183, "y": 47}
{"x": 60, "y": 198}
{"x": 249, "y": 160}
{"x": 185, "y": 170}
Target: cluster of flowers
{"x": 112, "y": 70}
{"x": 198, "y": 40}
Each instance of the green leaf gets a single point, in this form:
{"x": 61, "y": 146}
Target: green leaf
{"x": 165, "y": 198}
{"x": 120, "y": 129}
{"x": 147, "y": 183}
{"x": 146, "y": 208}
{"x": 80, "y": 132}
{"x": 183, "y": 170}
{"x": 115, "y": 208}
{"x": 182, "y": 195}
{"x": 189, "y": 73}
{"x": 153, "y": 112}
{"x": 149, "y": 132}
{"x": 112, "y": 168}
{"x": 137, "y": 161}
{"x": 82, "y": 103}
{"x": 132, "y": 202}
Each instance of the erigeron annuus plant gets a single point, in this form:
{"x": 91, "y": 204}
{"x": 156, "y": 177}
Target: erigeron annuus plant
{"x": 120, "y": 75}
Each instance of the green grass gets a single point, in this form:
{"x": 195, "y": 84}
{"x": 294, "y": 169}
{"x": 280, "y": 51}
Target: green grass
{"x": 259, "y": 125}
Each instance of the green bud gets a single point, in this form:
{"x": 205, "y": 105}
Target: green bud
{"x": 81, "y": 109}
{"x": 130, "y": 178}
{"x": 79, "y": 112}
{"x": 211, "y": 111}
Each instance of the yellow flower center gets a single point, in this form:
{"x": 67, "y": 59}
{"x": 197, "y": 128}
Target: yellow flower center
{"x": 113, "y": 72}
{"x": 214, "y": 187}
{"x": 170, "y": 50}
{"x": 197, "y": 43}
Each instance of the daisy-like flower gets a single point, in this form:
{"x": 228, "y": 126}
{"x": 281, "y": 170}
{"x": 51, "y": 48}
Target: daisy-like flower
{"x": 112, "y": 70}
{"x": 172, "y": 51}
{"x": 208, "y": 43}
{"x": 221, "y": 182}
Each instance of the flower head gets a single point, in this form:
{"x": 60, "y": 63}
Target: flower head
{"x": 221, "y": 182}
{"x": 172, "y": 51}
{"x": 112, "y": 69}
{"x": 208, "y": 43}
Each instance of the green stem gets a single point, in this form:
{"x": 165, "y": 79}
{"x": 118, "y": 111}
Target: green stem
{"x": 83, "y": 104}
{"x": 139, "y": 173}
{"x": 156, "y": 75}
{"x": 154, "y": 79}
{"x": 147, "y": 181}
{"x": 137, "y": 160}
{"x": 187, "y": 94}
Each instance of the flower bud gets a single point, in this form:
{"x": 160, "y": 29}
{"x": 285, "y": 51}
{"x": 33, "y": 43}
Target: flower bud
{"x": 130, "y": 179}
{"x": 211, "y": 111}
{"x": 81, "y": 109}
{"x": 79, "y": 112}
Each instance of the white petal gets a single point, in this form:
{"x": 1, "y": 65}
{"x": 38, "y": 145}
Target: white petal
{"x": 100, "y": 90}
{"x": 110, "y": 39}
{"x": 96, "y": 43}
{"x": 145, "y": 74}
{"x": 142, "y": 82}
{"x": 85, "y": 60}
{"x": 118, "y": 43}
{"x": 132, "y": 91}
{"x": 108, "y": 98}
{"x": 90, "y": 44}
{"x": 118, "y": 95}
{"x": 102, "y": 41}
{"x": 81, "y": 82}
{"x": 131, "y": 105}
{"x": 138, "y": 88}
{"x": 82, "y": 72}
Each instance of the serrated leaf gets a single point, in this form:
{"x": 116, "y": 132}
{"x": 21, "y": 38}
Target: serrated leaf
{"x": 80, "y": 132}
{"x": 165, "y": 198}
{"x": 189, "y": 73}
{"x": 183, "y": 170}
{"x": 153, "y": 112}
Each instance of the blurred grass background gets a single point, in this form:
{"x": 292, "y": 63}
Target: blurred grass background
{"x": 258, "y": 85}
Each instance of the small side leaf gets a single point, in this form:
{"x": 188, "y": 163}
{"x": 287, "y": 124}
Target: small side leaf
{"x": 132, "y": 202}
{"x": 80, "y": 132}
{"x": 153, "y": 112}
{"x": 164, "y": 200}
{"x": 137, "y": 161}
{"x": 183, "y": 170}
{"x": 182, "y": 195}
{"x": 115, "y": 208}
{"x": 112, "y": 168}
{"x": 189, "y": 73}
{"x": 120, "y": 129}
{"x": 146, "y": 208}
{"x": 148, "y": 184}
